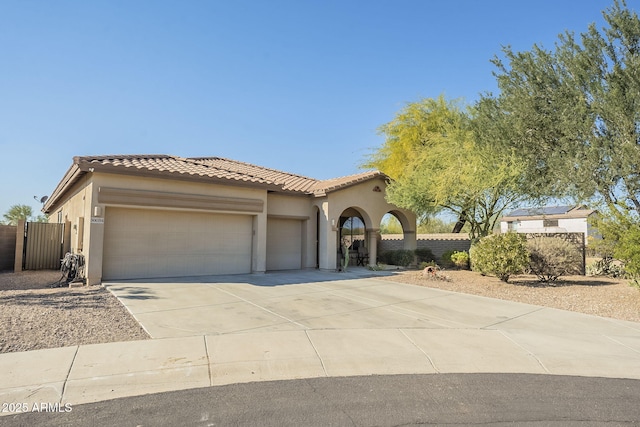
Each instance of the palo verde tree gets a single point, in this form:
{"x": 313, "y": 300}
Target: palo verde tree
{"x": 573, "y": 113}
{"x": 436, "y": 164}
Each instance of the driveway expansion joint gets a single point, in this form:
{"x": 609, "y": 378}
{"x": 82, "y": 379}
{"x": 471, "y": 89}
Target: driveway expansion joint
{"x": 66, "y": 380}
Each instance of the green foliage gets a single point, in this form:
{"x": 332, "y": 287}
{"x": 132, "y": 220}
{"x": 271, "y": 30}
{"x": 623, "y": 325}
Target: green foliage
{"x": 460, "y": 259}
{"x": 628, "y": 250}
{"x": 425, "y": 264}
{"x": 436, "y": 164}
{"x": 445, "y": 258}
{"x": 17, "y": 213}
{"x": 424, "y": 255}
{"x": 390, "y": 225}
{"x": 572, "y": 113}
{"x": 553, "y": 257}
{"x": 435, "y": 225}
{"x": 620, "y": 240}
{"x": 399, "y": 257}
{"x": 501, "y": 255}
{"x": 605, "y": 267}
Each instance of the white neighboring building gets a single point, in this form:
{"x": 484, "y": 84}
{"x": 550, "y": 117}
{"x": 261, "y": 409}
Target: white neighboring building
{"x": 551, "y": 219}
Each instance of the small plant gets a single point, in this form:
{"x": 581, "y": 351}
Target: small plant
{"x": 445, "y": 258}
{"x": 403, "y": 257}
{"x": 606, "y": 266}
{"x": 377, "y": 267}
{"x": 552, "y": 257}
{"x": 460, "y": 259}
{"x": 432, "y": 272}
{"x": 424, "y": 265}
{"x": 400, "y": 257}
{"x": 501, "y": 255}
{"x": 424, "y": 255}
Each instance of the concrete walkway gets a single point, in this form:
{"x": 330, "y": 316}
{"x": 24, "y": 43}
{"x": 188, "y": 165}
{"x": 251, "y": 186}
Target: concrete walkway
{"x": 221, "y": 330}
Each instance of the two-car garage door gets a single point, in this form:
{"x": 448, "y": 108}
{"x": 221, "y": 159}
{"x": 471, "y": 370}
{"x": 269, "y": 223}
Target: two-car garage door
{"x": 146, "y": 243}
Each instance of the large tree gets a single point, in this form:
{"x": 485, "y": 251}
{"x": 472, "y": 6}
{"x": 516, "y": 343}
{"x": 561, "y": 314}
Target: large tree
{"x": 436, "y": 164}
{"x": 573, "y": 113}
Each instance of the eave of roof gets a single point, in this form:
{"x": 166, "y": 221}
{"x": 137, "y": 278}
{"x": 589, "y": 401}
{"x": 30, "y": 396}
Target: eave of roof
{"x": 203, "y": 169}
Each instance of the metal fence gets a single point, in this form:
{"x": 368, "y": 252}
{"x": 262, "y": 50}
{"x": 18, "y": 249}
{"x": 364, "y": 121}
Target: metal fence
{"x": 43, "y": 246}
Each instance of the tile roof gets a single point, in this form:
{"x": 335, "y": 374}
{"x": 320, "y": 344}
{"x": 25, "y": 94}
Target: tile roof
{"x": 208, "y": 169}
{"x": 287, "y": 181}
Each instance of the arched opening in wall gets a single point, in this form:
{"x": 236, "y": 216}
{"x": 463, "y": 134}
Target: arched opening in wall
{"x": 392, "y": 238}
{"x": 352, "y": 240}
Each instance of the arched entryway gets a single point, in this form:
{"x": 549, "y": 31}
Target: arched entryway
{"x": 352, "y": 239}
{"x": 396, "y": 233}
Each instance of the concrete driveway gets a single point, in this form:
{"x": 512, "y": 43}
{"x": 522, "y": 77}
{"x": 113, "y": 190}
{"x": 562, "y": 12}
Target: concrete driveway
{"x": 361, "y": 323}
{"x": 281, "y": 326}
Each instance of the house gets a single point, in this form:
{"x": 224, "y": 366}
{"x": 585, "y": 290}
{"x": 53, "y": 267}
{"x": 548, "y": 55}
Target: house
{"x": 153, "y": 216}
{"x": 550, "y": 219}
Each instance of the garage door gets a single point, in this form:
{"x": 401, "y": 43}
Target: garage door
{"x": 142, "y": 243}
{"x": 284, "y": 244}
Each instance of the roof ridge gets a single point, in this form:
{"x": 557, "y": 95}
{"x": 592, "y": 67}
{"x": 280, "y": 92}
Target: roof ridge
{"x": 120, "y": 156}
{"x": 252, "y": 165}
{"x": 372, "y": 172}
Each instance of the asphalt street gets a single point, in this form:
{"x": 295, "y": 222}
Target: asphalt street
{"x": 388, "y": 400}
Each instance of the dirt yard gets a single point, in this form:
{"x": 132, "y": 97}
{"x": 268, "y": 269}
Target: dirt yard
{"x": 35, "y": 316}
{"x": 600, "y": 296}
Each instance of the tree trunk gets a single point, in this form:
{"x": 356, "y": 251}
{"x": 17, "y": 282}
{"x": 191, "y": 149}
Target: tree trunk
{"x": 461, "y": 221}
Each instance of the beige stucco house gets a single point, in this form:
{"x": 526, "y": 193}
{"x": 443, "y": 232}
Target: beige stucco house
{"x": 151, "y": 216}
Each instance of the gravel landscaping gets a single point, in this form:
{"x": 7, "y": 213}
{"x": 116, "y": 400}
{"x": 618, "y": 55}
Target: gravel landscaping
{"x": 35, "y": 316}
{"x": 600, "y": 296}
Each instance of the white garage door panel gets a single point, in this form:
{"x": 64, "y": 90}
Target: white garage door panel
{"x": 154, "y": 243}
{"x": 284, "y": 244}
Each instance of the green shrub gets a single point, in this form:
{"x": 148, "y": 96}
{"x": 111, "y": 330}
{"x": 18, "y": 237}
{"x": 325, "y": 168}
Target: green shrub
{"x": 424, "y": 255}
{"x": 399, "y": 257}
{"x": 403, "y": 257}
{"x": 425, "y": 264}
{"x": 553, "y": 257}
{"x": 445, "y": 258}
{"x": 620, "y": 240}
{"x": 384, "y": 257}
{"x": 501, "y": 255}
{"x": 628, "y": 250}
{"x": 460, "y": 259}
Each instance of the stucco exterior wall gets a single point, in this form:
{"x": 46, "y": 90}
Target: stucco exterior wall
{"x": 368, "y": 199}
{"x": 297, "y": 208}
{"x": 87, "y": 202}
{"x": 86, "y": 214}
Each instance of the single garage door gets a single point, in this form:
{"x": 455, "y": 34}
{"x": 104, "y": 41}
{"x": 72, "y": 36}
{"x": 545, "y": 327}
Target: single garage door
{"x": 143, "y": 243}
{"x": 284, "y": 244}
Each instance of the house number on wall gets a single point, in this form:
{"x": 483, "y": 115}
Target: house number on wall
{"x": 96, "y": 220}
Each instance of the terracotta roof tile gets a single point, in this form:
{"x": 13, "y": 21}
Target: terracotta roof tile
{"x": 287, "y": 181}
{"x": 205, "y": 168}
{"x": 345, "y": 181}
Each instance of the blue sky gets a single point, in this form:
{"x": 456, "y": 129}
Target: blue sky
{"x": 296, "y": 85}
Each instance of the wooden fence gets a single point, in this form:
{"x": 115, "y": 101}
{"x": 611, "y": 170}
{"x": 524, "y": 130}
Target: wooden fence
{"x": 7, "y": 247}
